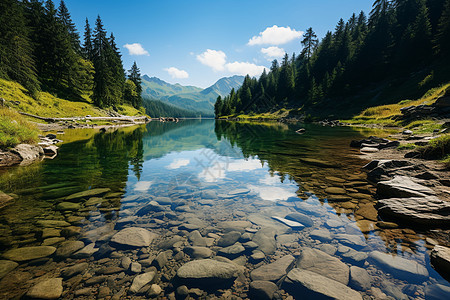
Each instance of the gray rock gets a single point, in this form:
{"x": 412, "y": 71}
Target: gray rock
{"x": 168, "y": 244}
{"x": 351, "y": 240}
{"x": 301, "y": 218}
{"x": 265, "y": 238}
{"x": 232, "y": 251}
{"x": 440, "y": 258}
{"x": 198, "y": 252}
{"x": 250, "y": 245}
{"x": 163, "y": 200}
{"x": 154, "y": 291}
{"x": 87, "y": 194}
{"x": 429, "y": 211}
{"x": 103, "y": 292}
{"x": 196, "y": 239}
{"x": 29, "y": 253}
{"x": 47, "y": 289}
{"x": 290, "y": 223}
{"x": 67, "y": 248}
{"x": 436, "y": 291}
{"x": 135, "y": 268}
{"x": 304, "y": 284}
{"x": 133, "y": 237}
{"x": 257, "y": 256}
{"x": 74, "y": 270}
{"x": 393, "y": 290}
{"x": 86, "y": 252}
{"x": 328, "y": 249}
{"x": 322, "y": 235}
{"x": 234, "y": 225}
{"x": 151, "y": 207}
{"x": 402, "y": 187}
{"x": 229, "y": 239}
{"x": 208, "y": 271}
{"x": 28, "y": 152}
{"x": 161, "y": 260}
{"x": 188, "y": 227}
{"x": 141, "y": 280}
{"x": 274, "y": 271}
{"x": 321, "y": 263}
{"x": 239, "y": 192}
{"x": 6, "y": 266}
{"x": 352, "y": 256}
{"x": 359, "y": 279}
{"x": 125, "y": 262}
{"x": 399, "y": 267}
{"x": 262, "y": 290}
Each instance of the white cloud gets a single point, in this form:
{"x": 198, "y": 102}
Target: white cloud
{"x": 142, "y": 186}
{"x": 275, "y": 36}
{"x": 244, "y": 165}
{"x": 273, "y": 52}
{"x": 214, "y": 59}
{"x": 272, "y": 193}
{"x": 136, "y": 49}
{"x": 244, "y": 68}
{"x": 178, "y": 163}
{"x": 177, "y": 73}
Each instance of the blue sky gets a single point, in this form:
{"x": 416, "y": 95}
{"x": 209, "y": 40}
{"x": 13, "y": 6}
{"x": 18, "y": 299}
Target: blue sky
{"x": 195, "y": 42}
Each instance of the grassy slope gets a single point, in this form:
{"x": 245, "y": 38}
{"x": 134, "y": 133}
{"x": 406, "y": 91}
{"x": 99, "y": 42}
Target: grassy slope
{"x": 14, "y": 129}
{"x": 48, "y": 105}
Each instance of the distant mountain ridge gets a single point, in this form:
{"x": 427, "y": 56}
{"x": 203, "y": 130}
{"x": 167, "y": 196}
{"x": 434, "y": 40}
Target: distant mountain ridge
{"x": 189, "y": 97}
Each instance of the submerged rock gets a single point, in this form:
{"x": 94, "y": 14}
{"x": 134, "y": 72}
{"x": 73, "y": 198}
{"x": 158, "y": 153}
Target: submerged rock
{"x": 29, "y": 253}
{"x": 290, "y": 223}
{"x": 47, "y": 289}
{"x": 429, "y": 211}
{"x": 68, "y": 248}
{"x": 208, "y": 272}
{"x": 140, "y": 280}
{"x": 399, "y": 267}
{"x": 360, "y": 279}
{"x": 87, "y": 194}
{"x": 274, "y": 271}
{"x": 265, "y": 238}
{"x": 133, "y": 237}
{"x": 262, "y": 290}
{"x": 318, "y": 163}
{"x": 6, "y": 266}
{"x": 304, "y": 284}
{"x": 321, "y": 263}
{"x": 301, "y": 218}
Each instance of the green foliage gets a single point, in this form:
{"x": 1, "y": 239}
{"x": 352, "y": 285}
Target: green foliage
{"x": 14, "y": 129}
{"x": 395, "y": 42}
{"x": 406, "y": 147}
{"x": 438, "y": 148}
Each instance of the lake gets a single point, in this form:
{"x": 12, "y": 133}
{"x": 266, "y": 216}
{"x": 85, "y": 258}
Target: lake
{"x": 245, "y": 194}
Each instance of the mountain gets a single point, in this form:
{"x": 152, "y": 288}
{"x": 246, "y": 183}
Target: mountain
{"x": 189, "y": 97}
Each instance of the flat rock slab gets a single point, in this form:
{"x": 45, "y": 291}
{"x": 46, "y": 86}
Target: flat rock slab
{"x": 68, "y": 248}
{"x": 208, "y": 271}
{"x": 265, "y": 238}
{"x": 324, "y": 264}
{"x": 87, "y": 194}
{"x": 7, "y": 266}
{"x": 262, "y": 290}
{"x": 140, "y": 280}
{"x": 440, "y": 258}
{"x": 239, "y": 192}
{"x": 274, "y": 271}
{"x": 402, "y": 187}
{"x": 301, "y": 218}
{"x": 304, "y": 284}
{"x": 360, "y": 279}
{"x": 29, "y": 253}
{"x": 429, "y": 211}
{"x": 133, "y": 237}
{"x": 47, "y": 289}
{"x": 400, "y": 267}
{"x": 290, "y": 223}
{"x": 234, "y": 225}
{"x": 321, "y": 234}
{"x": 198, "y": 252}
{"x": 351, "y": 240}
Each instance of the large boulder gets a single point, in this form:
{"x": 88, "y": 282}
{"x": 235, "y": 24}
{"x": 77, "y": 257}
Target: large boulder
{"x": 440, "y": 258}
{"x": 47, "y": 289}
{"x": 321, "y": 263}
{"x": 402, "y": 187}
{"x": 29, "y": 253}
{"x": 399, "y": 267}
{"x": 28, "y": 152}
{"x": 208, "y": 272}
{"x": 429, "y": 211}
{"x": 304, "y": 284}
{"x": 133, "y": 237}
{"x": 274, "y": 271}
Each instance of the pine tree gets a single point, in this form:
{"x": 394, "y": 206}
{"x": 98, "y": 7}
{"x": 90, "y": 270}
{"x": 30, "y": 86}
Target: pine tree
{"x": 88, "y": 51}
{"x": 100, "y": 44}
{"x": 309, "y": 43}
{"x": 443, "y": 35}
{"x": 218, "y": 106}
{"x": 65, "y": 18}
{"x": 134, "y": 74}
{"x": 16, "y": 60}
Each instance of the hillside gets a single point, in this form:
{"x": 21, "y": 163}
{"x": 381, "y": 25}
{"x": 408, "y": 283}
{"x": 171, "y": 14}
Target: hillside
{"x": 157, "y": 108}
{"x": 189, "y": 97}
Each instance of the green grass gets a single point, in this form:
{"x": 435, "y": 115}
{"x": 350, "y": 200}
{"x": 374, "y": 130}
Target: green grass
{"x": 14, "y": 129}
{"x": 407, "y": 147}
{"x": 389, "y": 114}
{"x": 423, "y": 126}
{"x": 438, "y": 148}
{"x": 47, "y": 105}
